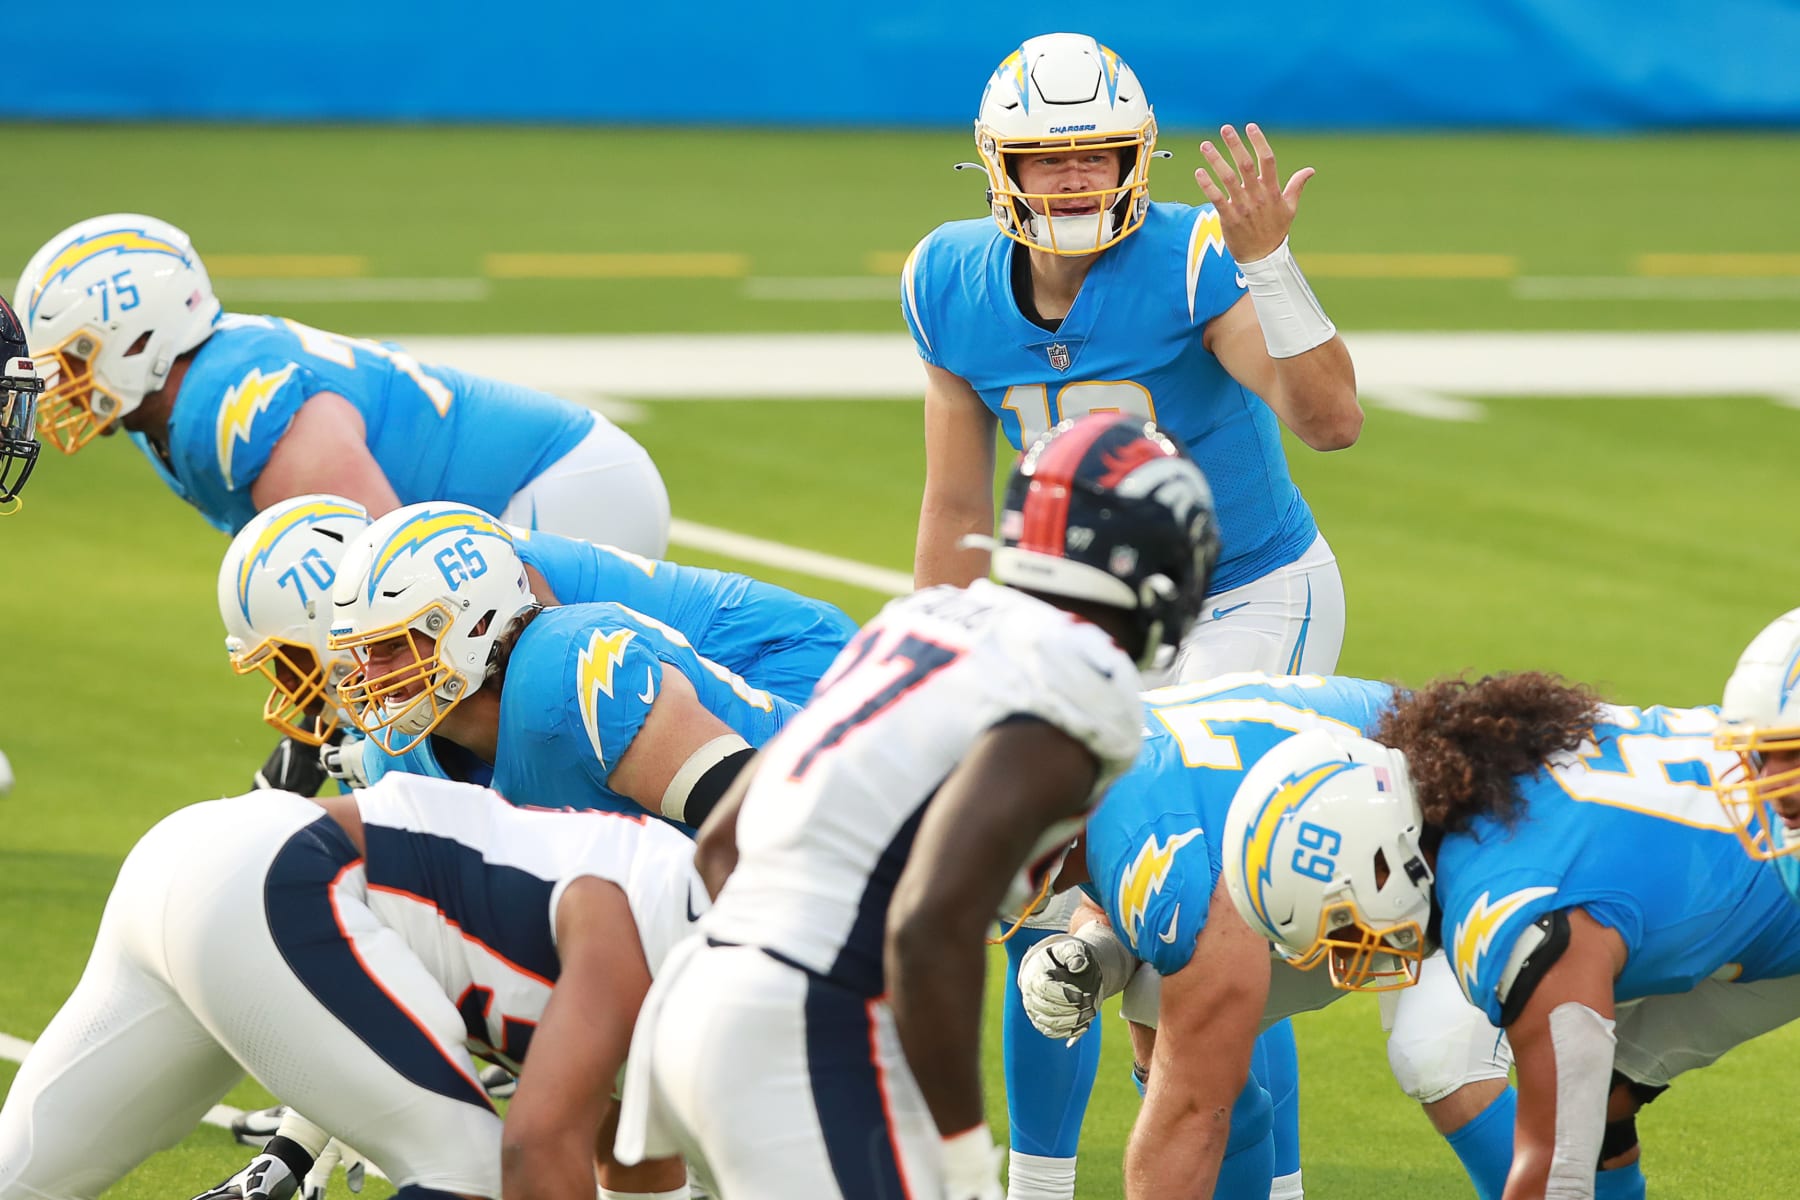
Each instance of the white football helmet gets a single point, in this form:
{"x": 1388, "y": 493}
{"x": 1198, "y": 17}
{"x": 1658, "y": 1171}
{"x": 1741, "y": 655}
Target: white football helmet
{"x": 110, "y": 304}
{"x": 446, "y": 572}
{"x": 1322, "y": 857}
{"x": 275, "y": 600}
{"x": 1761, "y": 713}
{"x": 1057, "y": 93}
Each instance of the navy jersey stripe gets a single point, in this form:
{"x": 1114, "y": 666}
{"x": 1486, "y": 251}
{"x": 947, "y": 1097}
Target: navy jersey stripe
{"x": 846, "y": 1091}
{"x": 297, "y": 899}
{"x": 858, "y": 964}
{"x": 506, "y": 909}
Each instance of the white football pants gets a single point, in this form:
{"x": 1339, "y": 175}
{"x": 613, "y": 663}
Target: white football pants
{"x": 1289, "y": 622}
{"x": 234, "y": 929}
{"x": 775, "y": 1083}
{"x": 1659, "y": 1037}
{"x": 604, "y": 490}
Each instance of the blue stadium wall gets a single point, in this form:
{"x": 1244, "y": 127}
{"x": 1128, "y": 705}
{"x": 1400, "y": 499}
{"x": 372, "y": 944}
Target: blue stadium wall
{"x": 1557, "y": 64}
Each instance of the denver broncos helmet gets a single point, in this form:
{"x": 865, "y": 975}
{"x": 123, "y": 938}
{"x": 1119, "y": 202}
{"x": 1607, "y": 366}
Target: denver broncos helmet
{"x": 20, "y": 387}
{"x": 1108, "y": 509}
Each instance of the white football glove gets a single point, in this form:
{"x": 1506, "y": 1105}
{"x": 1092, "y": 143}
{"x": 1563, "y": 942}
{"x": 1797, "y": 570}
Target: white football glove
{"x": 972, "y": 1166}
{"x": 1061, "y": 984}
{"x": 334, "y": 1154}
{"x": 264, "y": 1178}
{"x": 344, "y": 761}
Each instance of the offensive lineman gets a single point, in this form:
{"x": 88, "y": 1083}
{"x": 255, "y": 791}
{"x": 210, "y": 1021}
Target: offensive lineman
{"x": 1079, "y": 294}
{"x": 937, "y": 775}
{"x": 237, "y": 412}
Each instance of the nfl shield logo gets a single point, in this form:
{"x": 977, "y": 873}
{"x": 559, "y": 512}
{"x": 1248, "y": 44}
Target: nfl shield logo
{"x": 1059, "y": 356}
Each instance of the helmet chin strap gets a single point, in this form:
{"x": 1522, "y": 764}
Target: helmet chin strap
{"x": 1071, "y": 234}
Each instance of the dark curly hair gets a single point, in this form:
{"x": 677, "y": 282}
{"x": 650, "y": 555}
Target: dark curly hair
{"x": 1465, "y": 742}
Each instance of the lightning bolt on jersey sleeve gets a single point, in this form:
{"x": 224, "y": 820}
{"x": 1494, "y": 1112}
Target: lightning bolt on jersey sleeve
{"x": 436, "y": 433}
{"x": 1628, "y": 830}
{"x": 1133, "y": 342}
{"x": 829, "y": 820}
{"x": 579, "y": 685}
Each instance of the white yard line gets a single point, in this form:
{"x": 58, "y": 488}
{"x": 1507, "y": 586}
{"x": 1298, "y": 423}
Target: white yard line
{"x": 788, "y": 558}
{"x": 863, "y": 366}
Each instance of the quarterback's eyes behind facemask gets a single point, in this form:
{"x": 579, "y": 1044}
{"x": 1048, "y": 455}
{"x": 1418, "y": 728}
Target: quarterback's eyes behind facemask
{"x": 1065, "y": 94}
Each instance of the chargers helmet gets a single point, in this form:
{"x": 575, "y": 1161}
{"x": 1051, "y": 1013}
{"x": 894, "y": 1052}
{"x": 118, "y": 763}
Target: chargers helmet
{"x": 1760, "y": 714}
{"x": 1108, "y": 509}
{"x": 111, "y": 303}
{"x": 20, "y": 386}
{"x": 275, "y": 599}
{"x": 1058, "y": 93}
{"x": 1322, "y": 857}
{"x": 447, "y": 572}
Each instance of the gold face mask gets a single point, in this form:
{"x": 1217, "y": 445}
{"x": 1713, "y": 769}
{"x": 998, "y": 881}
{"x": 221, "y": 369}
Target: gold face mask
{"x": 300, "y": 704}
{"x": 74, "y": 409}
{"x": 1748, "y": 795}
{"x": 399, "y": 708}
{"x": 1121, "y": 209}
{"x": 1361, "y": 957}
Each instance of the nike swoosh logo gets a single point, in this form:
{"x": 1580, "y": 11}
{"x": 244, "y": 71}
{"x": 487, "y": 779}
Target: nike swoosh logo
{"x": 692, "y": 915}
{"x": 1220, "y": 613}
{"x": 1242, "y": 282}
{"x": 648, "y": 695}
{"x": 1168, "y": 935}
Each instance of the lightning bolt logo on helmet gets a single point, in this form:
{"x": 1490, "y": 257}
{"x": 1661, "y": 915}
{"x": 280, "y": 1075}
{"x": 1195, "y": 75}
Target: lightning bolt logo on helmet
{"x": 84, "y": 249}
{"x": 1259, "y": 837}
{"x": 1145, "y": 878}
{"x": 239, "y": 410}
{"x": 594, "y": 669}
{"x": 420, "y": 529}
{"x": 303, "y": 515}
{"x": 1475, "y": 932}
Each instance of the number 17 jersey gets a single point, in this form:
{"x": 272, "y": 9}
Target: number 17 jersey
{"x": 830, "y": 817}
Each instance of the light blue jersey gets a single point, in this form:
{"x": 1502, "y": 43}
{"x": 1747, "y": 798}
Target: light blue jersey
{"x": 1630, "y": 831}
{"x": 578, "y": 686}
{"x": 1131, "y": 343}
{"x": 1155, "y": 844}
{"x": 776, "y": 640}
{"x": 437, "y": 433}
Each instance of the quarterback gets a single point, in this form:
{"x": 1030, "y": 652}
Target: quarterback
{"x": 355, "y": 954}
{"x": 1571, "y": 858}
{"x": 237, "y": 412}
{"x": 1079, "y": 294}
{"x": 936, "y": 778}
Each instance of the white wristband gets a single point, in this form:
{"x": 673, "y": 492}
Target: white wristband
{"x": 971, "y": 1165}
{"x": 1292, "y": 321}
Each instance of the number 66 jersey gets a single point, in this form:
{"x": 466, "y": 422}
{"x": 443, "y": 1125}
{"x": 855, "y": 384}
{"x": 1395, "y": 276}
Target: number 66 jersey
{"x": 830, "y": 816}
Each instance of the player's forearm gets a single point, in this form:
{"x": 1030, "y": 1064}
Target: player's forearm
{"x": 1318, "y": 396}
{"x": 1175, "y": 1150}
{"x": 935, "y": 977}
{"x": 942, "y": 526}
{"x": 539, "y": 1169}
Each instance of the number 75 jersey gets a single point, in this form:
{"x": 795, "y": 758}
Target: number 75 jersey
{"x": 1134, "y": 343}
{"x": 829, "y": 821}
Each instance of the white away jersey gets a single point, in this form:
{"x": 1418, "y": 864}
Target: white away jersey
{"x": 472, "y": 883}
{"x": 838, "y": 796}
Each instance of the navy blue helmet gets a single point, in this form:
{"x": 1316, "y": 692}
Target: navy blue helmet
{"x": 1109, "y": 510}
{"x": 20, "y": 386}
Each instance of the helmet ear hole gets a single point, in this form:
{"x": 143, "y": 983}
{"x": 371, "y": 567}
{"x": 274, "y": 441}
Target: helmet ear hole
{"x": 139, "y": 346}
{"x": 1382, "y": 870}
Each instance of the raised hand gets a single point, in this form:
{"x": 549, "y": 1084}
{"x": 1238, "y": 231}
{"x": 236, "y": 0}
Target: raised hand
{"x": 1255, "y": 211}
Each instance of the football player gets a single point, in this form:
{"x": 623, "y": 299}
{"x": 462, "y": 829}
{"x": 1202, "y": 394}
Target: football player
{"x": 274, "y": 598}
{"x": 238, "y": 412}
{"x": 20, "y": 386}
{"x": 1574, "y": 863}
{"x": 1760, "y": 723}
{"x": 1078, "y": 294}
{"x": 936, "y": 778}
{"x": 1152, "y": 853}
{"x": 393, "y": 935}
{"x": 581, "y": 705}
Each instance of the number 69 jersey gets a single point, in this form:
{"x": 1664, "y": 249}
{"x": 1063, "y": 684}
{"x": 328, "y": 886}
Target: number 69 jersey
{"x": 1132, "y": 343}
{"x": 1629, "y": 830}
{"x": 830, "y": 817}
{"x": 437, "y": 433}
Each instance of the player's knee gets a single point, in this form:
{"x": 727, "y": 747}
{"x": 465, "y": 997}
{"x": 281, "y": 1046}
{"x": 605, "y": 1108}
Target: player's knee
{"x": 1432, "y": 1064}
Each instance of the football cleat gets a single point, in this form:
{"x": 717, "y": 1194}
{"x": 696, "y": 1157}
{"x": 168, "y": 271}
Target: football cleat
{"x": 254, "y": 1129}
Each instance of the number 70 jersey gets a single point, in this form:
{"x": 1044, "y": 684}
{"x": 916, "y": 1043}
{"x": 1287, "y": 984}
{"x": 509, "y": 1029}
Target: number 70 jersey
{"x": 829, "y": 821}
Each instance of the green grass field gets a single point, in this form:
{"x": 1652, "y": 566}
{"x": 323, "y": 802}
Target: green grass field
{"x": 1634, "y": 543}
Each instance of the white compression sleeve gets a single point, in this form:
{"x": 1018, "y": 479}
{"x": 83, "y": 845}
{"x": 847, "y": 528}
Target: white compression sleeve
{"x": 1583, "y": 1042}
